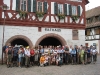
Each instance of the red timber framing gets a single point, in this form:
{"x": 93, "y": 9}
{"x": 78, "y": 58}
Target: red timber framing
{"x": 28, "y": 21}
{"x": 1, "y": 3}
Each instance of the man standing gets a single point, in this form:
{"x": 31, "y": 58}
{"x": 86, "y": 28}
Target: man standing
{"x": 27, "y": 56}
{"x": 9, "y": 54}
{"x": 66, "y": 54}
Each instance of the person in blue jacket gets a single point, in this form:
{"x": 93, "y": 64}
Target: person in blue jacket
{"x": 73, "y": 55}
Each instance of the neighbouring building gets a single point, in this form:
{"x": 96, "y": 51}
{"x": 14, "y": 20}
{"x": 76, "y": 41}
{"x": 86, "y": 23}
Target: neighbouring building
{"x": 42, "y": 22}
{"x": 93, "y": 28}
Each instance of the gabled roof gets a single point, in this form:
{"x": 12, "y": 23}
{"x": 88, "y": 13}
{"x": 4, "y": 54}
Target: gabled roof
{"x": 93, "y": 12}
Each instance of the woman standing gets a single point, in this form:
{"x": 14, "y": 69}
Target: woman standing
{"x": 32, "y": 56}
{"x": 36, "y": 56}
{"x": 82, "y": 55}
{"x": 19, "y": 56}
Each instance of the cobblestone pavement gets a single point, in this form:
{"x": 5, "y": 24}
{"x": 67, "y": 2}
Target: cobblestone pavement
{"x": 90, "y": 69}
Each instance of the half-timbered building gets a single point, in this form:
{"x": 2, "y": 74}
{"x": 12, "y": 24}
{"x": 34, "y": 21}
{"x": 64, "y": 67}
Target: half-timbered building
{"x": 93, "y": 28}
{"x": 42, "y": 22}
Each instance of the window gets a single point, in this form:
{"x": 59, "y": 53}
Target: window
{"x": 97, "y": 30}
{"x": 23, "y": 5}
{"x": 75, "y": 34}
{"x": 96, "y": 18}
{"x": 60, "y": 8}
{"x": 88, "y": 32}
{"x": 39, "y": 29}
{"x": 74, "y": 10}
{"x": 40, "y": 6}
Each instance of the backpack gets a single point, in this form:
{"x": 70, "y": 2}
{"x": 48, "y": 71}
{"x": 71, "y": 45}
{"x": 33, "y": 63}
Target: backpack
{"x": 4, "y": 48}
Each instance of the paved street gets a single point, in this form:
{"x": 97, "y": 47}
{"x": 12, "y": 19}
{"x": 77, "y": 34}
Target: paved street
{"x": 90, "y": 69}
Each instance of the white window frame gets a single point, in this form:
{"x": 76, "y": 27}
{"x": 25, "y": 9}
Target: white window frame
{"x": 74, "y": 10}
{"x": 40, "y": 6}
{"x": 22, "y": 5}
{"x": 60, "y": 9}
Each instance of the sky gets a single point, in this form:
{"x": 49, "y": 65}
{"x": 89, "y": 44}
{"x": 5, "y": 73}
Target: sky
{"x": 92, "y": 4}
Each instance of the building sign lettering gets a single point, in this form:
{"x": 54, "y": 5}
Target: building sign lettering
{"x": 53, "y": 29}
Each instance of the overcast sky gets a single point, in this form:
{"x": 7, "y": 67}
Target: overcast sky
{"x": 92, "y": 4}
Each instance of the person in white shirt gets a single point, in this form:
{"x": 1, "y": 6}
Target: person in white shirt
{"x": 19, "y": 56}
{"x": 94, "y": 53}
{"x": 27, "y": 56}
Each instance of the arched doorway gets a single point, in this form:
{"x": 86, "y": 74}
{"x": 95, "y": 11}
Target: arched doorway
{"x": 53, "y": 38}
{"x": 50, "y": 41}
{"x": 20, "y": 40}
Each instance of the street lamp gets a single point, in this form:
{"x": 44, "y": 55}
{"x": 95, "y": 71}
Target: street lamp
{"x": 4, "y": 8}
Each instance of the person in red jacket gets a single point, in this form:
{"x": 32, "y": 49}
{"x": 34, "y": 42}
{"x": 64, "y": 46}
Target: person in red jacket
{"x": 32, "y": 56}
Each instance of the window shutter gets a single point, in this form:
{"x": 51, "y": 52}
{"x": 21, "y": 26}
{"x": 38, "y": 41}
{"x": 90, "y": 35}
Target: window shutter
{"x": 55, "y": 8}
{"x": 65, "y": 9}
{"x": 70, "y": 10}
{"x": 29, "y": 5}
{"x": 85, "y": 32}
{"x": 34, "y": 5}
{"x": 78, "y": 9}
{"x": 45, "y": 7}
{"x": 17, "y": 5}
{"x": 24, "y": 5}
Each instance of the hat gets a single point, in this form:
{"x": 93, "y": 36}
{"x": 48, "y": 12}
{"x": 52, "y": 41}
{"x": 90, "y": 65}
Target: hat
{"x": 46, "y": 53}
{"x": 9, "y": 46}
{"x": 27, "y": 47}
{"x": 42, "y": 54}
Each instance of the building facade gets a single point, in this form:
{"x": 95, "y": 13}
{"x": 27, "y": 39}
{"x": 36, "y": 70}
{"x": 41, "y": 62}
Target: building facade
{"x": 42, "y": 22}
{"x": 93, "y": 28}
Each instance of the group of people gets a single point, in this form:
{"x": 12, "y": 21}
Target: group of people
{"x": 49, "y": 55}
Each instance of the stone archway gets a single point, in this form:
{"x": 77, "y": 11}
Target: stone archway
{"x": 20, "y": 37}
{"x": 61, "y": 39}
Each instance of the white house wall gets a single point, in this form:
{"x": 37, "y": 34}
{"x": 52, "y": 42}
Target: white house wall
{"x": 33, "y": 34}
{"x": 52, "y": 8}
{"x": 13, "y": 5}
{"x": 1, "y": 36}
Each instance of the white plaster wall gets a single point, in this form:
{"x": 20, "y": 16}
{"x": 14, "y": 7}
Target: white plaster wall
{"x": 14, "y": 5}
{"x": 33, "y": 34}
{"x": 52, "y": 7}
{"x": 91, "y": 43}
{"x": 1, "y": 37}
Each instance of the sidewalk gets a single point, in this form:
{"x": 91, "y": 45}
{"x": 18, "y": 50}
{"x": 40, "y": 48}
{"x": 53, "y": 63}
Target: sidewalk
{"x": 90, "y": 69}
